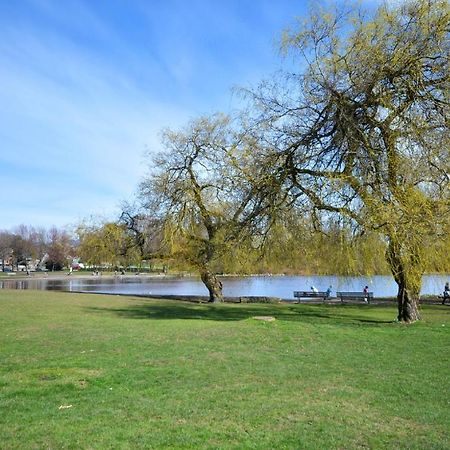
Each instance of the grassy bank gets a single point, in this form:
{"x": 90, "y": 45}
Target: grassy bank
{"x": 86, "y": 371}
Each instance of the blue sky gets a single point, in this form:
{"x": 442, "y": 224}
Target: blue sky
{"x": 86, "y": 87}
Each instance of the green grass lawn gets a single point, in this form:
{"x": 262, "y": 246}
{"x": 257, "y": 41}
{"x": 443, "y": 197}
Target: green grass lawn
{"x": 93, "y": 372}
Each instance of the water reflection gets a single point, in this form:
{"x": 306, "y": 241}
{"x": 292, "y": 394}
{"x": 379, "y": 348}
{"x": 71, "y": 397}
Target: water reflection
{"x": 276, "y": 286}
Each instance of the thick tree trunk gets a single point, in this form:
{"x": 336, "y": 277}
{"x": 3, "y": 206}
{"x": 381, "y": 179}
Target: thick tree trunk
{"x": 213, "y": 284}
{"x": 408, "y": 304}
{"x": 408, "y": 278}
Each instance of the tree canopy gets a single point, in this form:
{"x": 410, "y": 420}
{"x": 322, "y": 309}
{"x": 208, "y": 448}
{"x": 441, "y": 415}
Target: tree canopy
{"x": 203, "y": 188}
{"x": 362, "y": 131}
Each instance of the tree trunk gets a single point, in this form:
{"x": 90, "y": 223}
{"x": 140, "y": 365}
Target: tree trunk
{"x": 213, "y": 285}
{"x": 408, "y": 277}
{"x": 408, "y": 304}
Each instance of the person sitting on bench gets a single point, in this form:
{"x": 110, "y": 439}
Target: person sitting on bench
{"x": 366, "y": 293}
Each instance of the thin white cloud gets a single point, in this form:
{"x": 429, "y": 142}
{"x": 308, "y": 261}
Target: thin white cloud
{"x": 67, "y": 114}
{"x": 83, "y": 93}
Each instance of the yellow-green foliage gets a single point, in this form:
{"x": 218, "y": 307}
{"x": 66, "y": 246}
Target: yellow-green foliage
{"x": 297, "y": 248}
{"x": 106, "y": 244}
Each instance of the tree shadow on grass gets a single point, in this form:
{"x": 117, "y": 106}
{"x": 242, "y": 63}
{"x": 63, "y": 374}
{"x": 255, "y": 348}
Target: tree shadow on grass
{"x": 224, "y": 312}
{"x": 339, "y": 314}
{"x": 190, "y": 311}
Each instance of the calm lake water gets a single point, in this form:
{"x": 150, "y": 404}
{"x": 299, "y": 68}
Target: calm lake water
{"x": 271, "y": 286}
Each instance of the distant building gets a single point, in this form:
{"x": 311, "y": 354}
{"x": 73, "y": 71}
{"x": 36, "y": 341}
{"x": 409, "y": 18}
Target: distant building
{"x": 76, "y": 264}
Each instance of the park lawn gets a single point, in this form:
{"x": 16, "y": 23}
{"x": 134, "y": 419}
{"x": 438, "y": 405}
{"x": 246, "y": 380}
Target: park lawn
{"x": 98, "y": 371}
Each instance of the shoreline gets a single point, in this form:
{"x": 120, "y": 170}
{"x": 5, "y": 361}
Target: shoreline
{"x": 89, "y": 275}
{"x": 204, "y": 299}
{"x": 81, "y": 276}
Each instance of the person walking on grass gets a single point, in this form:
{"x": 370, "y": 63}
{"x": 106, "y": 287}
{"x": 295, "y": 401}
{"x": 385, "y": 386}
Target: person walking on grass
{"x": 446, "y": 292}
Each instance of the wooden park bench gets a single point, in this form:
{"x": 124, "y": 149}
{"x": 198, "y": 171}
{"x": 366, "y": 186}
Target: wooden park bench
{"x": 367, "y": 297}
{"x": 311, "y": 294}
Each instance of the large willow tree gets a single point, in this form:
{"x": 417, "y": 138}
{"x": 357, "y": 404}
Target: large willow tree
{"x": 362, "y": 130}
{"x": 203, "y": 189}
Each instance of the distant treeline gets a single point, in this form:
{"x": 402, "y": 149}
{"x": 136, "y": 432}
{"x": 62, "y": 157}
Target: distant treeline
{"x": 296, "y": 245}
